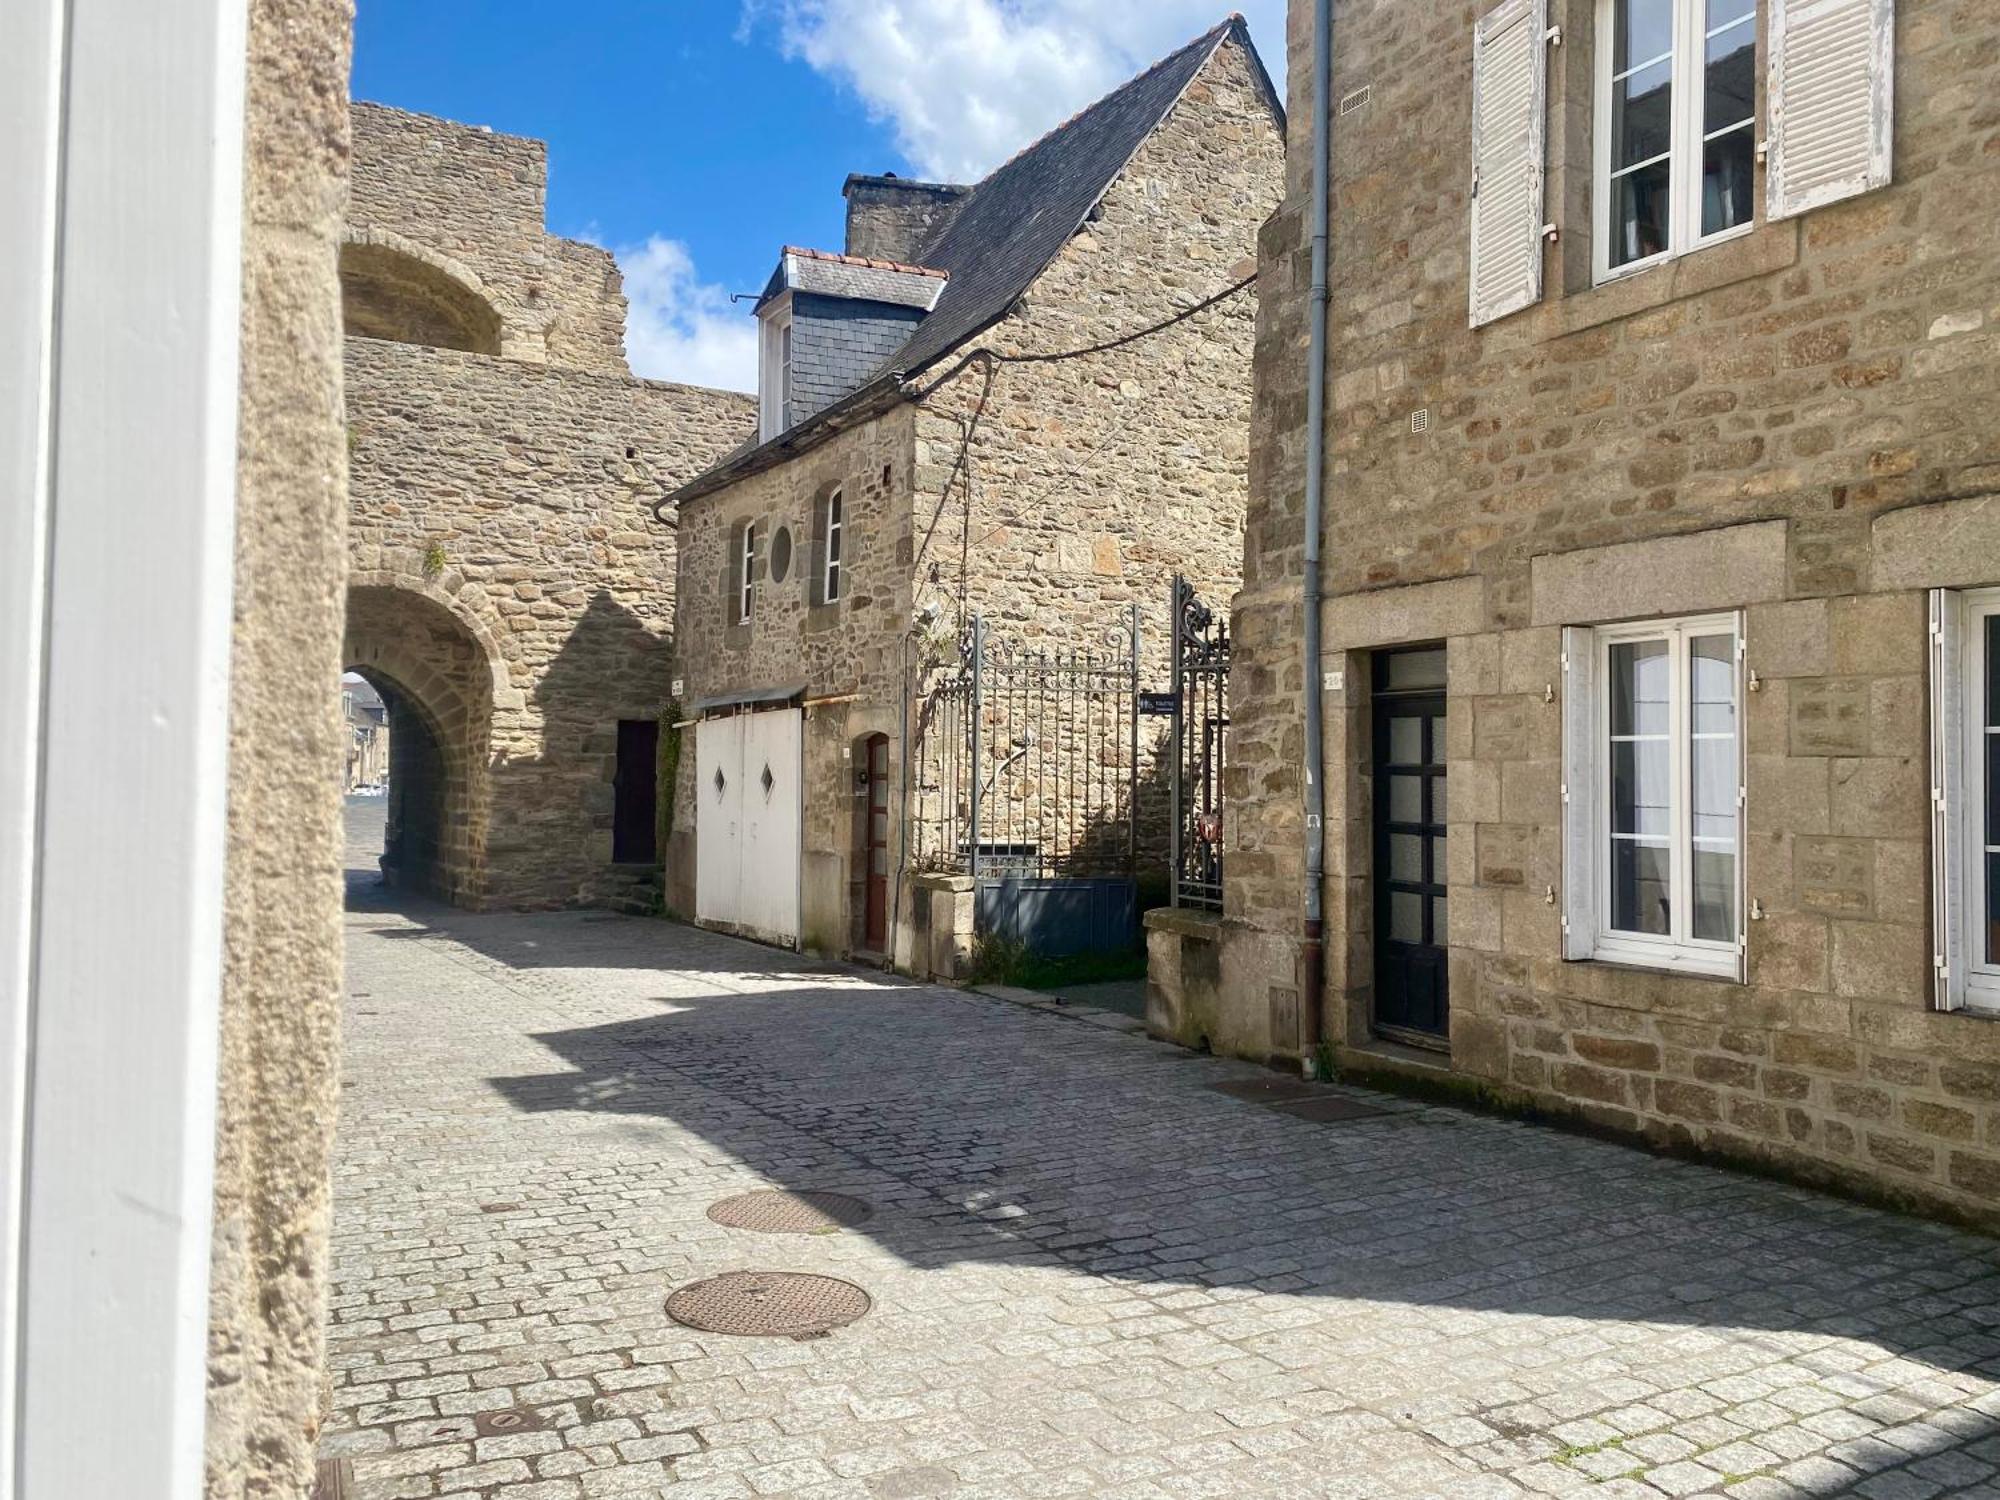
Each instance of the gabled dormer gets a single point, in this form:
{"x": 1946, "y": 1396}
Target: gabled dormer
{"x": 828, "y": 323}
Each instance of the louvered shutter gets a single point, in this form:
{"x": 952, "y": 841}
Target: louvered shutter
{"x": 1510, "y": 78}
{"x": 1832, "y": 101}
{"x": 1947, "y": 788}
{"x": 1579, "y": 811}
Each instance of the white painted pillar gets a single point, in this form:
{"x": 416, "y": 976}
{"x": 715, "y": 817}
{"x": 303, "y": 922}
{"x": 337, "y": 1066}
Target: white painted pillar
{"x": 120, "y": 253}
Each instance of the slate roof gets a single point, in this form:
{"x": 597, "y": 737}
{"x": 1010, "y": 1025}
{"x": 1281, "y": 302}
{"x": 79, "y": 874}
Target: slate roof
{"x": 1009, "y": 228}
{"x": 855, "y": 277}
{"x": 1017, "y": 220}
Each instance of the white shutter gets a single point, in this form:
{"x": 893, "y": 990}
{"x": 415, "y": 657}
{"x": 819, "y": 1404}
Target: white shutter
{"x": 1579, "y": 793}
{"x": 1947, "y": 794}
{"x": 1510, "y": 73}
{"x": 1832, "y": 101}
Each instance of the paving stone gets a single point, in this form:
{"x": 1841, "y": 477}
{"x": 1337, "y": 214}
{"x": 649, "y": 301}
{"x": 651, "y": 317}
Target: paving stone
{"x": 1092, "y": 1275}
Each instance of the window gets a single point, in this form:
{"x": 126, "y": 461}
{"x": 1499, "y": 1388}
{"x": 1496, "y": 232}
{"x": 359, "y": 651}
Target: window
{"x": 781, "y": 554}
{"x": 785, "y": 377}
{"x": 1676, "y": 127}
{"x": 746, "y": 578}
{"x": 774, "y": 372}
{"x": 1983, "y": 797}
{"x": 1965, "y": 697}
{"x": 835, "y": 524}
{"x": 1653, "y": 795}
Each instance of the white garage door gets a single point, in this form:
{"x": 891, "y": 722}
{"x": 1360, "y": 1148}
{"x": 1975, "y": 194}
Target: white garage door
{"x": 749, "y": 795}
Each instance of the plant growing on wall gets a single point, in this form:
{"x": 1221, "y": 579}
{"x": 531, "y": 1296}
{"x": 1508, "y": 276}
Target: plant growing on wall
{"x": 669, "y": 769}
{"x": 433, "y": 560}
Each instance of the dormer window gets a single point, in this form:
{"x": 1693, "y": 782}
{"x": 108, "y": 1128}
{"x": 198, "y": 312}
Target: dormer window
{"x": 829, "y": 325}
{"x": 774, "y": 371}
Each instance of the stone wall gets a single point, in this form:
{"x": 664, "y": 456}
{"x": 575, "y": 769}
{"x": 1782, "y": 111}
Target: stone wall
{"x": 891, "y": 218}
{"x": 1090, "y": 482}
{"x": 278, "y": 1041}
{"x": 851, "y": 650}
{"x": 505, "y": 556}
{"x": 1791, "y": 423}
{"x": 462, "y": 205}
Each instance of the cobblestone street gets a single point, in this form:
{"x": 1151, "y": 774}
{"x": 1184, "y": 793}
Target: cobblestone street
{"x": 1092, "y": 1273}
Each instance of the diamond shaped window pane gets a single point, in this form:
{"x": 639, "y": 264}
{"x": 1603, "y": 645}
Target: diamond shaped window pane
{"x": 721, "y": 782}
{"x": 769, "y": 780}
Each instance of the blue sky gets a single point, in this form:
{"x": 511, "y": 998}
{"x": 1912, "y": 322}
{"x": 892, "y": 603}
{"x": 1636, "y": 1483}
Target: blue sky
{"x": 694, "y": 137}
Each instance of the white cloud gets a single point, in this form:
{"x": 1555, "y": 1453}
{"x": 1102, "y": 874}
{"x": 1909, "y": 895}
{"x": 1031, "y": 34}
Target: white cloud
{"x": 680, "y": 327}
{"x": 966, "y": 83}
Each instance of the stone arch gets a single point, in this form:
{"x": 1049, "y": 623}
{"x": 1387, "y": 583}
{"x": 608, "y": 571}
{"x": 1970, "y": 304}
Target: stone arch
{"x": 439, "y": 675}
{"x": 392, "y": 288}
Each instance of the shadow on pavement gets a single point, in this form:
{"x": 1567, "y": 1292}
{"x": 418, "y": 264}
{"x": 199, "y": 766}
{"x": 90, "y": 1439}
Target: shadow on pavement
{"x": 1012, "y": 1137}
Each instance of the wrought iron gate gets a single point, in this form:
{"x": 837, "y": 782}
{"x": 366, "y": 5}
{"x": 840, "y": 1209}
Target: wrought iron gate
{"x": 1026, "y": 760}
{"x": 1201, "y": 738}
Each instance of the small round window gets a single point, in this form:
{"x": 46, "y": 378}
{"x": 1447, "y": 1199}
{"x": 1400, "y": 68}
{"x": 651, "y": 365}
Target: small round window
{"x": 781, "y": 555}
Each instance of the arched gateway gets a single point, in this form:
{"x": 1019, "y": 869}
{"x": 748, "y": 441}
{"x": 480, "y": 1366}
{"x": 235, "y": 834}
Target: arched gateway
{"x": 510, "y": 593}
{"x": 438, "y": 676}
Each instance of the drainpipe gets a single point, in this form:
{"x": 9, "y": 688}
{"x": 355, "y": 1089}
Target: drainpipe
{"x": 1313, "y": 957}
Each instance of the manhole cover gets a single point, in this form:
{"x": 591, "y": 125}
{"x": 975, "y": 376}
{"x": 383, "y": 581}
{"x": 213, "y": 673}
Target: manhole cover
{"x": 774, "y": 1304}
{"x": 1328, "y": 1109}
{"x": 514, "y": 1419}
{"x": 1266, "y": 1090}
{"x": 774, "y": 1211}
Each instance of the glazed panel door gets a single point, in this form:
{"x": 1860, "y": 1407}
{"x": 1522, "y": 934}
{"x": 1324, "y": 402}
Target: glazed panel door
{"x": 1412, "y": 953}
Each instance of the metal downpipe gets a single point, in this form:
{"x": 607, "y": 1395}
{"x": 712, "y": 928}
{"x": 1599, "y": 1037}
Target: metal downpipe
{"x": 1312, "y": 979}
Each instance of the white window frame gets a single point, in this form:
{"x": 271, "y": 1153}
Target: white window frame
{"x": 774, "y": 370}
{"x": 746, "y": 577}
{"x": 1977, "y": 984}
{"x": 1689, "y": 57}
{"x": 830, "y": 576}
{"x": 1587, "y": 798}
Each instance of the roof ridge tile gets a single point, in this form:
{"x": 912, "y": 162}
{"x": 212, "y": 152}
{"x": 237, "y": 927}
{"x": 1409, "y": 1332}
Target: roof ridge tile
{"x": 865, "y": 261}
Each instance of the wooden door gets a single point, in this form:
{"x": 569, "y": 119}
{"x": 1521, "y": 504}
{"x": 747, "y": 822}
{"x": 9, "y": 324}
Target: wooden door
{"x": 876, "y": 929}
{"x": 635, "y": 836}
{"x": 771, "y": 785}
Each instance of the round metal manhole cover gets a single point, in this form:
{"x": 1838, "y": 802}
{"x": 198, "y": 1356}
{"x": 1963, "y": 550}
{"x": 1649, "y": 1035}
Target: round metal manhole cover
{"x": 771, "y": 1304}
{"x": 775, "y": 1211}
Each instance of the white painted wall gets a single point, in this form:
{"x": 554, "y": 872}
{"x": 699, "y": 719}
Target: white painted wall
{"x": 120, "y": 248}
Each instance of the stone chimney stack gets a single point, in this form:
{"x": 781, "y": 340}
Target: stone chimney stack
{"x": 893, "y": 218}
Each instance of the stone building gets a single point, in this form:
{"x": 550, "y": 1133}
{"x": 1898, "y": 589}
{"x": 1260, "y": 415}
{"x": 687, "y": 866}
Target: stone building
{"x": 367, "y": 720}
{"x": 930, "y": 451}
{"x": 505, "y": 586}
{"x": 1673, "y": 560}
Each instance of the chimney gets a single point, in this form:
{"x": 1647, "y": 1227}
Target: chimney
{"x": 894, "y": 218}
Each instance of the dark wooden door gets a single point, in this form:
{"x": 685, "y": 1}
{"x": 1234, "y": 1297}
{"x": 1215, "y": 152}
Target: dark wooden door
{"x": 877, "y": 926}
{"x": 1412, "y": 959}
{"x": 635, "y": 835}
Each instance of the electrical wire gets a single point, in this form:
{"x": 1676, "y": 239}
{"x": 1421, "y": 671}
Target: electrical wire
{"x": 995, "y": 356}
{"x": 993, "y": 359}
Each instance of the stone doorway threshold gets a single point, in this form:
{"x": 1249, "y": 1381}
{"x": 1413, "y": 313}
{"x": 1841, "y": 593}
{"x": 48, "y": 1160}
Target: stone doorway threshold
{"x": 1057, "y": 1005}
